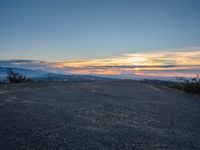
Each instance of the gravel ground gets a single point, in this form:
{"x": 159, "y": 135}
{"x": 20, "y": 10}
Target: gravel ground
{"x": 97, "y": 115}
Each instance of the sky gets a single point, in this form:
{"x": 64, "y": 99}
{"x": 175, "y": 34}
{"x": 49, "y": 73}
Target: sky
{"x": 114, "y": 37}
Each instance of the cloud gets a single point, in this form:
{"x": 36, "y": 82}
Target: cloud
{"x": 170, "y": 63}
{"x": 23, "y": 63}
{"x": 138, "y": 63}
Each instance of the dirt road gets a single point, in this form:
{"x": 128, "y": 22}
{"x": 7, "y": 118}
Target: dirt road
{"x": 97, "y": 115}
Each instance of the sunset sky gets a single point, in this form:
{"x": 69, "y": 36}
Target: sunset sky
{"x": 104, "y": 37}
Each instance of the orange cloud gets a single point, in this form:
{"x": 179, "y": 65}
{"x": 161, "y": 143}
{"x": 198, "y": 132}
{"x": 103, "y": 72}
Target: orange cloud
{"x": 173, "y": 63}
{"x": 164, "y": 64}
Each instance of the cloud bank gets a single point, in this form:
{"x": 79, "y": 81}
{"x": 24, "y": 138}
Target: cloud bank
{"x": 156, "y": 64}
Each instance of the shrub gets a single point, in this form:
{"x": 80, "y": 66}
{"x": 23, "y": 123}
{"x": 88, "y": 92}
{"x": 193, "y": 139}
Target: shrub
{"x": 189, "y": 85}
{"x": 14, "y": 77}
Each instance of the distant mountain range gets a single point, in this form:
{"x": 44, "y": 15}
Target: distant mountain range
{"x": 26, "y": 72}
{"x": 40, "y": 75}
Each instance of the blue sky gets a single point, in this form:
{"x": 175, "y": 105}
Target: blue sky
{"x": 59, "y": 30}
{"x": 146, "y": 38}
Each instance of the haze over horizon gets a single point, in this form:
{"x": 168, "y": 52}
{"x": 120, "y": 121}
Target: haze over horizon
{"x": 108, "y": 37}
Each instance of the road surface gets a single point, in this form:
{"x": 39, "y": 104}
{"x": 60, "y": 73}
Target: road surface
{"x": 97, "y": 115}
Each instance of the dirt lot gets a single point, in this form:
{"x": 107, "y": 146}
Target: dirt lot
{"x": 97, "y": 115}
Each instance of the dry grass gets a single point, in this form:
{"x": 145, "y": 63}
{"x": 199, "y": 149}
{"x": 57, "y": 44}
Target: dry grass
{"x": 189, "y": 85}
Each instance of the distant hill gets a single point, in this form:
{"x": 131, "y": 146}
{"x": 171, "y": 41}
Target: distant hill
{"x": 40, "y": 75}
{"x": 60, "y": 77}
{"x": 26, "y": 72}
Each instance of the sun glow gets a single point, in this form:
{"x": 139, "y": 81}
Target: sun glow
{"x": 138, "y": 60}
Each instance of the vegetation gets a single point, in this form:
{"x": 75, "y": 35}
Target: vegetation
{"x": 14, "y": 77}
{"x": 189, "y": 85}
